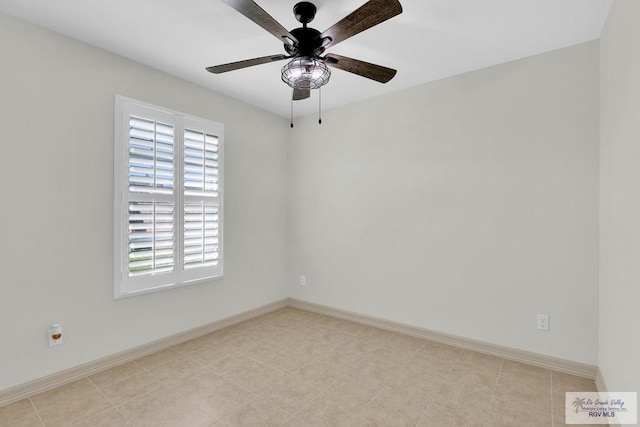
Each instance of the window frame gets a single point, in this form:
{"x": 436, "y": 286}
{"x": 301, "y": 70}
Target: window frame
{"x": 125, "y": 286}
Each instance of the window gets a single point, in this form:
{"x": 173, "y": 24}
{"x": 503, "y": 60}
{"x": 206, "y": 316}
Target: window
{"x": 168, "y": 199}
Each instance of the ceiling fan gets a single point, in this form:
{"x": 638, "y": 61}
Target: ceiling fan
{"x": 305, "y": 46}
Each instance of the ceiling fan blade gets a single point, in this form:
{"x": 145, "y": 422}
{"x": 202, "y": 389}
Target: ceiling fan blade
{"x": 254, "y": 12}
{"x": 223, "y": 68}
{"x": 366, "y": 16}
{"x": 299, "y": 94}
{"x": 365, "y": 69}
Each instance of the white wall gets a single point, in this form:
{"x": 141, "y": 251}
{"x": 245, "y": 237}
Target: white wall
{"x": 465, "y": 206}
{"x": 619, "y": 354}
{"x": 56, "y": 136}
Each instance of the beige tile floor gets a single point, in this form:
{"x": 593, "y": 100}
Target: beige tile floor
{"x": 295, "y": 368}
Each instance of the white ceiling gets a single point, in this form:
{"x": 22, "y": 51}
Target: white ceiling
{"x": 430, "y": 40}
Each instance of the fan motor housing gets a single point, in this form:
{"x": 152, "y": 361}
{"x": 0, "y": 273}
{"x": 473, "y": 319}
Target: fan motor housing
{"x": 309, "y": 42}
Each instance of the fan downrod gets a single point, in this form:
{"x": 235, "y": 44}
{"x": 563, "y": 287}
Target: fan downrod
{"x": 304, "y": 12}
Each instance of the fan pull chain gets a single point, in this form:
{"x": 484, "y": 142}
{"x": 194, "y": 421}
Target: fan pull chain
{"x": 320, "y": 106}
{"x": 292, "y": 111}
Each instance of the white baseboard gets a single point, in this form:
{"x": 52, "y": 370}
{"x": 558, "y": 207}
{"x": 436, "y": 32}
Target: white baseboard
{"x": 39, "y": 385}
{"x": 530, "y": 358}
{"x": 21, "y": 391}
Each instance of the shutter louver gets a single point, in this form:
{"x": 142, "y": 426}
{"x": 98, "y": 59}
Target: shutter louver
{"x": 200, "y": 235}
{"x": 151, "y": 152}
{"x": 200, "y": 164}
{"x": 151, "y": 247}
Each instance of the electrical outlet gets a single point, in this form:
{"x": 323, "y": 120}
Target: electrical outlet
{"x": 55, "y": 335}
{"x": 543, "y": 322}
{"x": 303, "y": 280}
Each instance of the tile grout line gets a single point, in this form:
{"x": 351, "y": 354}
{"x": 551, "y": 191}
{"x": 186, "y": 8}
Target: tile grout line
{"x": 495, "y": 386}
{"x": 493, "y": 394}
{"x": 553, "y": 418}
{"x": 414, "y": 356}
{"x": 254, "y": 397}
{"x": 140, "y": 366}
{"x": 450, "y": 367}
{"x": 113, "y": 406}
{"x": 442, "y": 380}
{"x": 486, "y": 422}
{"x": 33, "y": 405}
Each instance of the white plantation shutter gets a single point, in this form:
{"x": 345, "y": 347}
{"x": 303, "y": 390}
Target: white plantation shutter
{"x": 201, "y": 199}
{"x": 151, "y": 203}
{"x": 168, "y": 204}
{"x": 201, "y": 179}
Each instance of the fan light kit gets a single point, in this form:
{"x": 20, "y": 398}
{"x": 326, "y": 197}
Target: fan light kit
{"x": 307, "y": 68}
{"x": 306, "y": 73}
